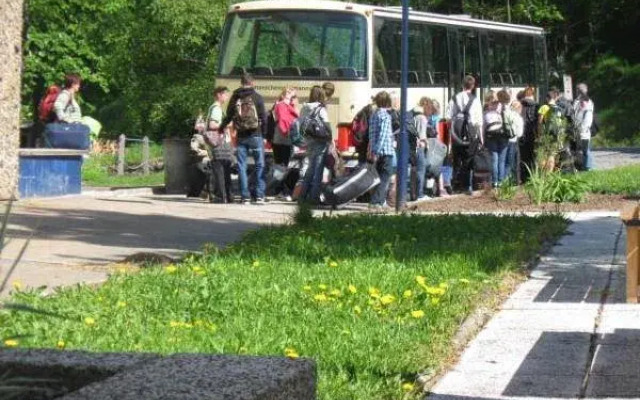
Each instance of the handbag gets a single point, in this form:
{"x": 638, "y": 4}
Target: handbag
{"x": 213, "y": 138}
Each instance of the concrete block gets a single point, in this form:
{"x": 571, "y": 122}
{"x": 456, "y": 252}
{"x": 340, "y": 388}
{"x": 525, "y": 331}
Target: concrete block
{"x": 195, "y": 377}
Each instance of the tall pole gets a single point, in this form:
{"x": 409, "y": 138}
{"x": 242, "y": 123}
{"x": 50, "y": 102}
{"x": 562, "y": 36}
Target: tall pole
{"x": 509, "y": 11}
{"x": 401, "y": 192}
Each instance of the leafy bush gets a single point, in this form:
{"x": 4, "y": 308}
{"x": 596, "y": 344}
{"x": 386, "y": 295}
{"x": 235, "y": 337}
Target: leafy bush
{"x": 506, "y": 190}
{"x": 555, "y": 187}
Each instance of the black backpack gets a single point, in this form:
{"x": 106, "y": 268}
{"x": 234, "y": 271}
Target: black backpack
{"x": 530, "y": 117}
{"x": 463, "y": 133}
{"x": 313, "y": 126}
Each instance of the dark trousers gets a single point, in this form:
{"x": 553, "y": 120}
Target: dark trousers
{"x": 462, "y": 177}
{"x": 282, "y": 154}
{"x": 527, "y": 158}
{"x": 220, "y": 180}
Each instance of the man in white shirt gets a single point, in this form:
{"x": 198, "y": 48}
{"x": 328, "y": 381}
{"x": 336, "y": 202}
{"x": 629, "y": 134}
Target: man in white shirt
{"x": 583, "y": 109}
{"x": 459, "y": 145}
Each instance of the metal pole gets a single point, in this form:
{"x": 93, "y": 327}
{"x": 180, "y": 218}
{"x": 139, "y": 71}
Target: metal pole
{"x": 122, "y": 140}
{"x": 509, "y": 11}
{"x": 401, "y": 182}
{"x": 145, "y": 155}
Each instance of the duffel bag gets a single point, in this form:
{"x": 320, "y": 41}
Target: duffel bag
{"x": 67, "y": 136}
{"x": 482, "y": 161}
{"x": 436, "y": 153}
{"x": 352, "y": 186}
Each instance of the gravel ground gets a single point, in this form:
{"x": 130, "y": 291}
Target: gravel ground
{"x": 612, "y": 158}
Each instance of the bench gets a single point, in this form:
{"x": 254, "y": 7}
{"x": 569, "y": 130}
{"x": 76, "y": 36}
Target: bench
{"x": 631, "y": 218}
{"x": 50, "y": 172}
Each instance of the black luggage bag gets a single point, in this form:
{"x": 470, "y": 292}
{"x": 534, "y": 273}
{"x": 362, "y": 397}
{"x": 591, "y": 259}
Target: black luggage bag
{"x": 348, "y": 188}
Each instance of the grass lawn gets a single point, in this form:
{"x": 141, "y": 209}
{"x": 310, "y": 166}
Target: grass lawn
{"x": 373, "y": 299}
{"x": 622, "y": 180}
{"x": 99, "y": 169}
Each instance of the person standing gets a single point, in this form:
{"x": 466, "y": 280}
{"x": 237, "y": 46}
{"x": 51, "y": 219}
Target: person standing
{"x": 465, "y": 113}
{"x": 583, "y": 120}
{"x": 527, "y": 142}
{"x": 284, "y": 113}
{"x": 419, "y": 161}
{"x": 497, "y": 138}
{"x": 514, "y": 126}
{"x": 246, "y": 111}
{"x": 316, "y": 147}
{"x": 381, "y": 150}
{"x": 222, "y": 154}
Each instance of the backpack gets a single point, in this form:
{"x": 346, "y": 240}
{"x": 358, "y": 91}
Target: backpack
{"x": 498, "y": 129}
{"x": 313, "y": 126}
{"x": 595, "y": 125}
{"x": 463, "y": 133}
{"x": 530, "y": 118}
{"x": 45, "y": 108}
{"x": 246, "y": 117}
{"x": 555, "y": 124}
{"x": 360, "y": 124}
{"x": 271, "y": 125}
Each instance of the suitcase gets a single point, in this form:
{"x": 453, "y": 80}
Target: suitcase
{"x": 67, "y": 136}
{"x": 436, "y": 154}
{"x": 482, "y": 161}
{"x": 363, "y": 179}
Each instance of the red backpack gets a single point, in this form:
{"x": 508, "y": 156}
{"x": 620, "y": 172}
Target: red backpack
{"x": 45, "y": 108}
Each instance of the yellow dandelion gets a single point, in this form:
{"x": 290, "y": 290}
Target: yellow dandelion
{"x": 170, "y": 269}
{"x": 17, "y": 285}
{"x": 464, "y": 280}
{"x": 306, "y": 288}
{"x": 256, "y": 264}
{"x": 353, "y": 289}
{"x": 336, "y": 292}
{"x": 407, "y": 387}
{"x": 435, "y": 301}
{"x": 421, "y": 280}
{"x": 374, "y": 292}
{"x": 60, "y": 344}
{"x": 333, "y": 264}
{"x": 11, "y": 343}
{"x": 434, "y": 290}
{"x": 322, "y": 286}
{"x": 121, "y": 304}
{"x": 291, "y": 353}
{"x": 320, "y": 297}
{"x": 357, "y": 310}
{"x": 417, "y": 314}
{"x": 443, "y": 285}
{"x": 89, "y": 321}
{"x": 387, "y": 299}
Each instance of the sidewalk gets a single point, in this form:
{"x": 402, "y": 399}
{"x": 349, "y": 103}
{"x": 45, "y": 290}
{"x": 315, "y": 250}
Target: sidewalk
{"x": 565, "y": 333}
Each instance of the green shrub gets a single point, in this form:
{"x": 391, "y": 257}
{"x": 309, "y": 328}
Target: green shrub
{"x": 506, "y": 190}
{"x": 555, "y": 187}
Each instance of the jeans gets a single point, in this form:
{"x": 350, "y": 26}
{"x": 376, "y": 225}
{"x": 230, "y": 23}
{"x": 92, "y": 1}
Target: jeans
{"x": 251, "y": 146}
{"x": 512, "y": 161}
{"x": 498, "y": 149}
{"x": 316, "y": 153}
{"x": 421, "y": 170}
{"x": 587, "y": 160}
{"x": 385, "y": 169}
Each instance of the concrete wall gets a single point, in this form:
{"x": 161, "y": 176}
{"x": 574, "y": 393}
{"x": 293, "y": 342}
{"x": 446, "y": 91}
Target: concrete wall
{"x": 10, "y": 69}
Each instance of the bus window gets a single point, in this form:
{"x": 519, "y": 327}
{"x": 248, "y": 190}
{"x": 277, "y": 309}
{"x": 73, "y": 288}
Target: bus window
{"x": 284, "y": 43}
{"x": 510, "y": 59}
{"x": 428, "y": 56}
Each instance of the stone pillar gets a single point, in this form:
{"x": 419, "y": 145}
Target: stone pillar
{"x": 10, "y": 70}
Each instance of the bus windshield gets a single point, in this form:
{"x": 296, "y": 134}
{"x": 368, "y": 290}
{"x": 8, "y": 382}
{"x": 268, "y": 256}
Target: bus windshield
{"x": 298, "y": 44}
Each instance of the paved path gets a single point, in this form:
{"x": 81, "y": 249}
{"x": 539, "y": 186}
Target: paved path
{"x": 612, "y": 158}
{"x": 69, "y": 234}
{"x": 565, "y": 333}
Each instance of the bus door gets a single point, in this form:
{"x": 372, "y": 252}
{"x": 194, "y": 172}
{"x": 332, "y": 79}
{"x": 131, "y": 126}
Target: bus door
{"x": 465, "y": 58}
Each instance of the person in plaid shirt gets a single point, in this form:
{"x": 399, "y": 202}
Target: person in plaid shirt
{"x": 381, "y": 149}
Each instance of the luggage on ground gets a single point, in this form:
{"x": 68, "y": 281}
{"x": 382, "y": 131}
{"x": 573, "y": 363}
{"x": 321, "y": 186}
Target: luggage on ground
{"x": 67, "y": 136}
{"x": 343, "y": 190}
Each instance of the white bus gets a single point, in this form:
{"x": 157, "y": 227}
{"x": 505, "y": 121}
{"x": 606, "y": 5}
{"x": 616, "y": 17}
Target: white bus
{"x": 357, "y": 47}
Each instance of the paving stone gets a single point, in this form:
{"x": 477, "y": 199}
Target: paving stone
{"x": 617, "y": 358}
{"x": 600, "y": 386}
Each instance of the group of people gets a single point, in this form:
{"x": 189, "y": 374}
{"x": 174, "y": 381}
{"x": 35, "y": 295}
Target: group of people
{"x": 213, "y": 152}
{"x": 505, "y": 126}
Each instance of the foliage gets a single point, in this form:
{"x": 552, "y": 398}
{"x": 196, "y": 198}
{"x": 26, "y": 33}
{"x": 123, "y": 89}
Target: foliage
{"x": 506, "y": 190}
{"x": 100, "y": 168}
{"x": 355, "y": 293}
{"x": 555, "y": 187}
{"x": 622, "y": 180}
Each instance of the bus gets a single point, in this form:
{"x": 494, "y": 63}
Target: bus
{"x": 357, "y": 47}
